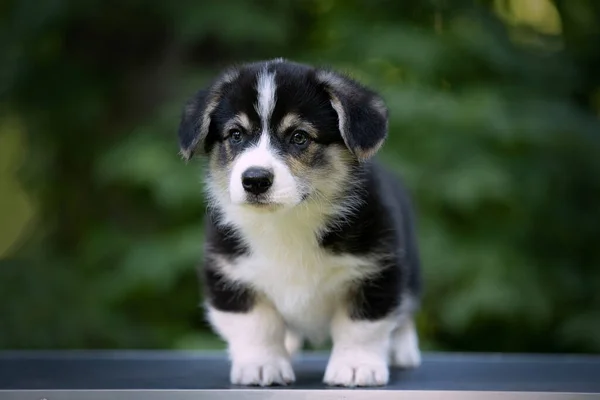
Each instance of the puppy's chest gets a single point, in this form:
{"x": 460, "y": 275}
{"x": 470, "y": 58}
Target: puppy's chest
{"x": 304, "y": 281}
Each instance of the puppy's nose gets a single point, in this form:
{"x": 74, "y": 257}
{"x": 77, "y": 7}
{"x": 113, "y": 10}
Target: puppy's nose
{"x": 257, "y": 180}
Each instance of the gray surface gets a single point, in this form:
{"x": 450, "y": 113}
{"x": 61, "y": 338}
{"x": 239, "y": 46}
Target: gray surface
{"x": 192, "y": 370}
{"x": 297, "y": 394}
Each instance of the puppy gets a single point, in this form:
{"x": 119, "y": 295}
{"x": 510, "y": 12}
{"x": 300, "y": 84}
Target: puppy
{"x": 307, "y": 237}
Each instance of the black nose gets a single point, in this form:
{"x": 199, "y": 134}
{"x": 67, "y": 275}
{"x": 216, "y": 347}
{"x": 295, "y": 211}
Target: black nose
{"x": 257, "y": 180}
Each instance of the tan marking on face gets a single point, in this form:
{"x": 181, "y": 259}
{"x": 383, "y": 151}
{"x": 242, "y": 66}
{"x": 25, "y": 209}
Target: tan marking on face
{"x": 328, "y": 178}
{"x": 339, "y": 158}
{"x": 244, "y": 121}
{"x": 241, "y": 120}
{"x": 300, "y": 165}
{"x": 297, "y": 167}
{"x": 220, "y": 173}
{"x": 288, "y": 121}
{"x": 334, "y": 157}
{"x": 213, "y": 161}
{"x": 293, "y": 120}
{"x": 228, "y": 152}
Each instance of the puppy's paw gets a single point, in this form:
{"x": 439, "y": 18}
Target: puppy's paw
{"x": 405, "y": 357}
{"x": 293, "y": 343}
{"x": 354, "y": 370}
{"x": 404, "y": 350}
{"x": 266, "y": 371}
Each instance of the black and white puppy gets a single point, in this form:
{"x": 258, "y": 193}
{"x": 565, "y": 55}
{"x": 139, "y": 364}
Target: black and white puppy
{"x": 308, "y": 238}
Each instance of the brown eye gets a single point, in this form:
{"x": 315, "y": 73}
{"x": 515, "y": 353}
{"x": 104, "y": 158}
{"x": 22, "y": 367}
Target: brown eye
{"x": 235, "y": 136}
{"x": 299, "y": 138}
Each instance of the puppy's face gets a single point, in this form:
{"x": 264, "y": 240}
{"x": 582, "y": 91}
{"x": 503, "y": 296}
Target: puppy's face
{"x": 279, "y": 133}
{"x": 274, "y": 138}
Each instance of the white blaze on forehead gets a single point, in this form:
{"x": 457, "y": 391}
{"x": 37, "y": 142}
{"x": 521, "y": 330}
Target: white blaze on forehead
{"x": 285, "y": 188}
{"x": 265, "y": 87}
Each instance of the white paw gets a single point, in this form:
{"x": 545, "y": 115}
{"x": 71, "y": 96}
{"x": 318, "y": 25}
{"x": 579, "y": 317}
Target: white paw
{"x": 293, "y": 343}
{"x": 405, "y": 357}
{"x": 266, "y": 372}
{"x": 351, "y": 370}
{"x": 404, "y": 351}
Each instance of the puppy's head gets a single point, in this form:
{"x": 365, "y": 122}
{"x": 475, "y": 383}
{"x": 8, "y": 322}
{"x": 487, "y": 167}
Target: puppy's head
{"x": 278, "y": 133}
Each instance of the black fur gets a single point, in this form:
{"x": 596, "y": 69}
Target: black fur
{"x": 191, "y": 120}
{"x": 298, "y": 88}
{"x": 365, "y": 114}
{"x": 384, "y": 224}
{"x": 224, "y": 294}
{"x": 223, "y": 241}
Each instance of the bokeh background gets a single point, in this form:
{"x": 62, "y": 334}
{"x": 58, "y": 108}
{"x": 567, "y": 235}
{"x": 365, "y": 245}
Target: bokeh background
{"x": 494, "y": 125}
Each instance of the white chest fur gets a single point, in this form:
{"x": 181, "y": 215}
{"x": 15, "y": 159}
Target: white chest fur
{"x": 303, "y": 281}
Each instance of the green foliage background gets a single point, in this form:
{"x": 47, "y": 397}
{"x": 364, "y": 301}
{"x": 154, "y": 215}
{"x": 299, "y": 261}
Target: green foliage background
{"x": 494, "y": 125}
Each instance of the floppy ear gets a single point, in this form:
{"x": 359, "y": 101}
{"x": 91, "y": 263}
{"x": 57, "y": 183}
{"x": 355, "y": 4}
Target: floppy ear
{"x": 196, "y": 115}
{"x": 362, "y": 113}
{"x": 193, "y": 127}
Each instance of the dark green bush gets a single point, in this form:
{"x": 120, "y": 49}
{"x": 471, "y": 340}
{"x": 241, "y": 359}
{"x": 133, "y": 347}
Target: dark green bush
{"x": 494, "y": 125}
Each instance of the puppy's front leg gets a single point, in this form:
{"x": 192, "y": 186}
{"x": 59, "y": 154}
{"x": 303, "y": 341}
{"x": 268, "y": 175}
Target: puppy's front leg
{"x": 256, "y": 347}
{"x": 360, "y": 351}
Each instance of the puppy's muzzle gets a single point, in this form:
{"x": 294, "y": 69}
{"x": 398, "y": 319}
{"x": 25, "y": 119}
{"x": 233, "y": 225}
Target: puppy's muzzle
{"x": 257, "y": 180}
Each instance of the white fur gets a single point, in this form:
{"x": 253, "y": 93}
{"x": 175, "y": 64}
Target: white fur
{"x": 293, "y": 342}
{"x": 255, "y": 345}
{"x": 285, "y": 188}
{"x": 294, "y": 272}
{"x": 404, "y": 351}
{"x": 360, "y": 351}
{"x": 265, "y": 87}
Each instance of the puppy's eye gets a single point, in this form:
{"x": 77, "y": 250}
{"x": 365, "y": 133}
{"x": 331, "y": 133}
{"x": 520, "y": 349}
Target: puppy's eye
{"x": 235, "y": 136}
{"x": 299, "y": 138}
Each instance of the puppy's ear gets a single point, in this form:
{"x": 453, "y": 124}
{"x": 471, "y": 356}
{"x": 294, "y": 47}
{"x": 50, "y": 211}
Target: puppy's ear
{"x": 197, "y": 113}
{"x": 193, "y": 127}
{"x": 362, "y": 113}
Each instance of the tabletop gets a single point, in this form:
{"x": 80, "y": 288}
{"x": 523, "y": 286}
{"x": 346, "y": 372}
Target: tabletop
{"x": 185, "y": 374}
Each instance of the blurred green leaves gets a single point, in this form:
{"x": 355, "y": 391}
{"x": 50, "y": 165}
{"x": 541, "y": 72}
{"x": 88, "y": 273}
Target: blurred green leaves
{"x": 494, "y": 127}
